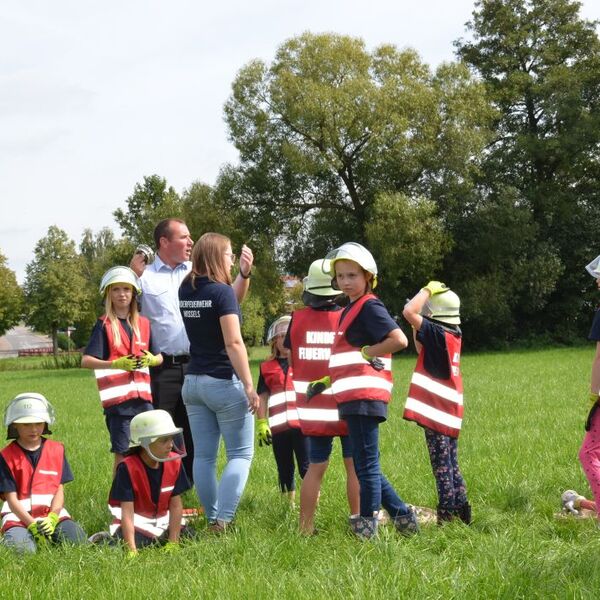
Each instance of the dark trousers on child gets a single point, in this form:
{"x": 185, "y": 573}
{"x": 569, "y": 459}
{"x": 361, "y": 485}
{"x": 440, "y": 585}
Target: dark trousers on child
{"x": 286, "y": 445}
{"x": 443, "y": 453}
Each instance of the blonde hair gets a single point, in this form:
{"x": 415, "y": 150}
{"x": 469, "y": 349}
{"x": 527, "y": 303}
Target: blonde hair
{"x": 132, "y": 317}
{"x": 274, "y": 350}
{"x": 208, "y": 259}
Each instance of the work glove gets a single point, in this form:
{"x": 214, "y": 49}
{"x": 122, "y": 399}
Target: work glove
{"x": 263, "y": 433}
{"x": 47, "y": 525}
{"x": 594, "y": 398}
{"x": 37, "y": 535}
{"x": 131, "y": 554}
{"x": 317, "y": 387}
{"x": 436, "y": 287}
{"x": 170, "y": 548}
{"x": 126, "y": 363}
{"x": 149, "y": 360}
{"x": 374, "y": 361}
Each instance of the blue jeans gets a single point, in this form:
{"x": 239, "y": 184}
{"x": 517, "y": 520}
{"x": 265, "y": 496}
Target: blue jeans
{"x": 215, "y": 408}
{"x": 20, "y": 539}
{"x": 375, "y": 490}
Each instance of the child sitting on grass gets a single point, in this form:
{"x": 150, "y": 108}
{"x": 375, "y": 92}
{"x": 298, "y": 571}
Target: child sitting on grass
{"x": 145, "y": 498}
{"x": 33, "y": 470}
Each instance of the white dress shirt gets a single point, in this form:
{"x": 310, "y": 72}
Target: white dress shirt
{"x": 160, "y": 304}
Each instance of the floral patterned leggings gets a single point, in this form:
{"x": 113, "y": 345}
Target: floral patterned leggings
{"x": 443, "y": 453}
{"x": 589, "y": 454}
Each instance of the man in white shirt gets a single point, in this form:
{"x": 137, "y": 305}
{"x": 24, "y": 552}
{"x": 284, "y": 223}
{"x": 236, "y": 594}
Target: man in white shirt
{"x": 160, "y": 304}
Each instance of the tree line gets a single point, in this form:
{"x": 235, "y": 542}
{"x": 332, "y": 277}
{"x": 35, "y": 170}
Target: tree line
{"x": 482, "y": 172}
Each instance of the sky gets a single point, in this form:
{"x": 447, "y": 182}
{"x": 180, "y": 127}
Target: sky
{"x": 96, "y": 95}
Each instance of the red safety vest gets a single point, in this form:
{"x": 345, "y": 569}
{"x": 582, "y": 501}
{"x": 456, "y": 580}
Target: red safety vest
{"x": 149, "y": 518}
{"x": 115, "y": 385}
{"x": 312, "y": 333}
{"x": 352, "y": 377}
{"x": 437, "y": 403}
{"x": 282, "y": 397}
{"x": 37, "y": 487}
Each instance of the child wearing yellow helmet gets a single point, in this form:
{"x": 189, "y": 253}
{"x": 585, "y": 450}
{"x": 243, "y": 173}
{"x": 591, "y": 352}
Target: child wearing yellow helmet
{"x": 435, "y": 397}
{"x": 120, "y": 352}
{"x": 33, "y": 471}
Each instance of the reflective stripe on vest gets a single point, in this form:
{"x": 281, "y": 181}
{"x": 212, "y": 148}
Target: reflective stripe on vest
{"x": 115, "y": 385}
{"x": 311, "y": 334}
{"x": 353, "y": 377}
{"x": 282, "y": 396}
{"x": 37, "y": 487}
{"x": 437, "y": 403}
{"x": 149, "y": 518}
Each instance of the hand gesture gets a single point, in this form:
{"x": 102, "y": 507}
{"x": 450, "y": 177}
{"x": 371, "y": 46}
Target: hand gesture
{"x": 246, "y": 261}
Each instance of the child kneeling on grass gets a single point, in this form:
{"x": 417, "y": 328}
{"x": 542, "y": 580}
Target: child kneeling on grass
{"x": 145, "y": 498}
{"x": 435, "y": 397}
{"x": 33, "y": 470}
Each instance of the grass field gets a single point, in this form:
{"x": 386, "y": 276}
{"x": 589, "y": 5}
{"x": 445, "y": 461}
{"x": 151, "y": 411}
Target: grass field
{"x": 523, "y": 427}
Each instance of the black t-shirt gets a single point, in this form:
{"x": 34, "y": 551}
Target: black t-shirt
{"x": 122, "y": 488}
{"x": 201, "y": 308}
{"x": 433, "y": 338}
{"x": 594, "y": 335}
{"x": 261, "y": 386}
{"x": 7, "y": 482}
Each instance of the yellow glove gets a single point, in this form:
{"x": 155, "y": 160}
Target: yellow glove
{"x": 436, "y": 287}
{"x": 125, "y": 363}
{"x": 38, "y": 536}
{"x": 317, "y": 387}
{"x": 594, "y": 398}
{"x": 131, "y": 554}
{"x": 47, "y": 525}
{"x": 170, "y": 548}
{"x": 263, "y": 433}
{"x": 374, "y": 361}
{"x": 149, "y": 360}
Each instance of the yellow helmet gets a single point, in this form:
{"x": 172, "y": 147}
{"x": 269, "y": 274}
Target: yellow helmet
{"x": 318, "y": 280}
{"x": 120, "y": 275}
{"x": 355, "y": 252}
{"x": 444, "y": 307}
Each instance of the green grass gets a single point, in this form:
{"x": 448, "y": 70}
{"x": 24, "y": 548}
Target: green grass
{"x": 523, "y": 427}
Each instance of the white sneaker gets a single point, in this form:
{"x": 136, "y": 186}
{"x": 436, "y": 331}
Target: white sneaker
{"x": 569, "y": 500}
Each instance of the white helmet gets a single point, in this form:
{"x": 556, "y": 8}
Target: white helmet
{"x": 28, "y": 408}
{"x": 147, "y": 427}
{"x": 355, "y": 252}
{"x": 444, "y": 307}
{"x": 120, "y": 275}
{"x": 318, "y": 281}
{"x": 594, "y": 268}
{"x": 278, "y": 327}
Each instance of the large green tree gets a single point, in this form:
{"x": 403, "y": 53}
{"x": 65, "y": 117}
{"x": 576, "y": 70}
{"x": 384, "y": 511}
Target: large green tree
{"x": 540, "y": 64}
{"x": 11, "y": 297}
{"x": 55, "y": 288}
{"x": 328, "y": 125}
{"x": 151, "y": 201}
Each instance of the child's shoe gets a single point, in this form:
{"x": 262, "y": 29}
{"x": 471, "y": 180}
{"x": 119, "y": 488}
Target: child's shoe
{"x": 101, "y": 537}
{"x": 571, "y": 500}
{"x": 406, "y": 524}
{"x": 364, "y": 528}
{"x": 445, "y": 515}
{"x": 463, "y": 512}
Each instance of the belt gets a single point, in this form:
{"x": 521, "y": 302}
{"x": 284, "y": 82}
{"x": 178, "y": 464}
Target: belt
{"x": 173, "y": 360}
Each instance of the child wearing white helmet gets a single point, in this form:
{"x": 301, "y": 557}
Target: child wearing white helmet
{"x": 145, "y": 497}
{"x": 277, "y": 417}
{"x": 309, "y": 339}
{"x": 435, "y": 397}
{"x": 360, "y": 376}
{"x": 589, "y": 454}
{"x": 33, "y": 471}
{"x": 120, "y": 352}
